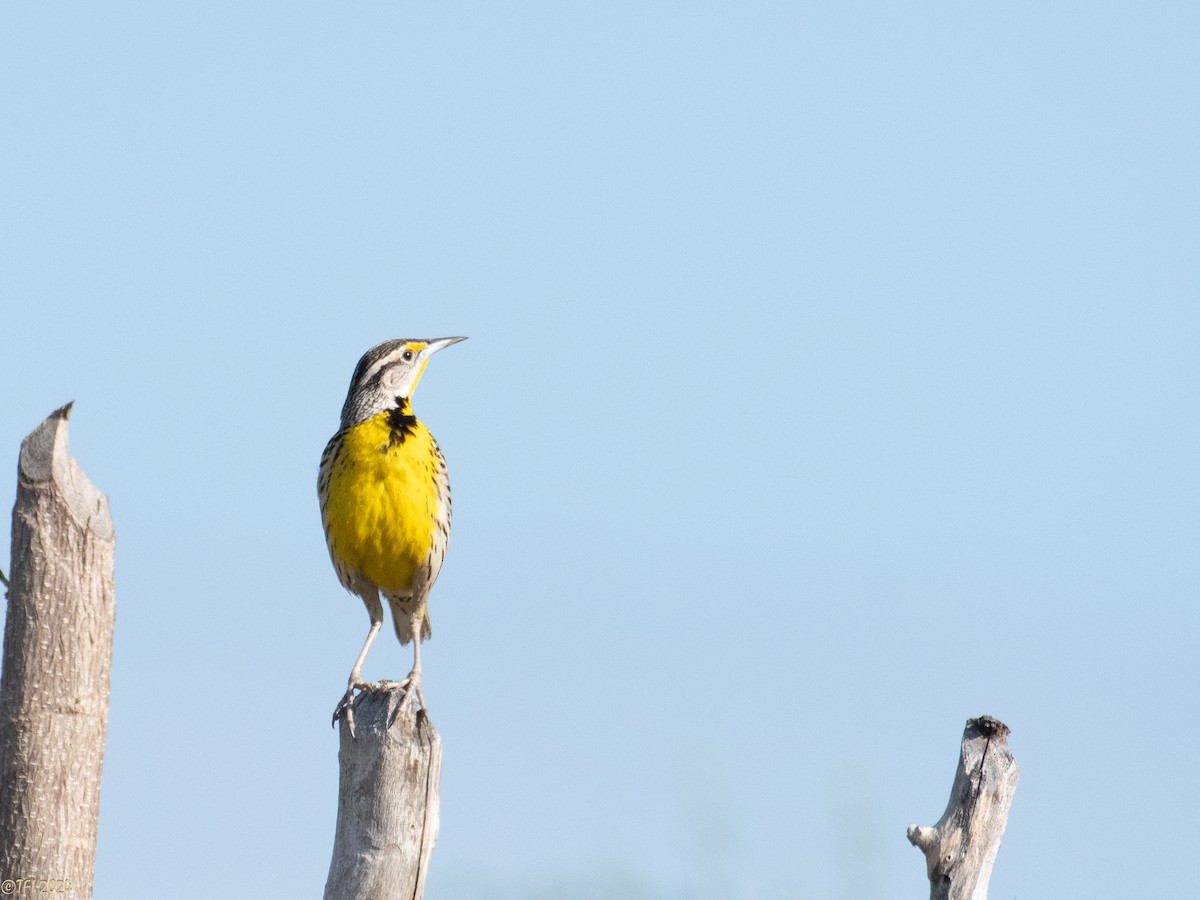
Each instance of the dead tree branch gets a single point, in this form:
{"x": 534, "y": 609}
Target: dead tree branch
{"x": 388, "y": 799}
{"x": 57, "y": 662}
{"x": 961, "y": 848}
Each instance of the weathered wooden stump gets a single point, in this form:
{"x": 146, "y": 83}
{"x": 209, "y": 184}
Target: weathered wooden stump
{"x": 57, "y": 663}
{"x": 961, "y": 848}
{"x": 388, "y": 800}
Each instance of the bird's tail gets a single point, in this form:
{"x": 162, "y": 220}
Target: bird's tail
{"x": 402, "y": 613}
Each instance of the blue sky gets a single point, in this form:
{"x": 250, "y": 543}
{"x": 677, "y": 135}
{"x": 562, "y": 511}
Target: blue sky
{"x": 831, "y": 379}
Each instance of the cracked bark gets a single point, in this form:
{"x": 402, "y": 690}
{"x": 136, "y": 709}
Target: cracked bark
{"x": 961, "y": 848}
{"x": 54, "y": 684}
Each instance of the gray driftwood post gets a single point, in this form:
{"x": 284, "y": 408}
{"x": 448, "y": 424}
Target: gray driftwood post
{"x": 961, "y": 848}
{"x": 55, "y": 680}
{"x": 387, "y": 819}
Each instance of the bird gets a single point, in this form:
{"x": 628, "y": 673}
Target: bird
{"x": 384, "y": 492}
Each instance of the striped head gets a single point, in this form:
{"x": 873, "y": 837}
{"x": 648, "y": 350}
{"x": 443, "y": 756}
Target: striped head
{"x": 387, "y": 375}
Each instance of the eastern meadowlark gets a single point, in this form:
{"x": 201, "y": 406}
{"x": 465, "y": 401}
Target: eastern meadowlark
{"x": 385, "y": 500}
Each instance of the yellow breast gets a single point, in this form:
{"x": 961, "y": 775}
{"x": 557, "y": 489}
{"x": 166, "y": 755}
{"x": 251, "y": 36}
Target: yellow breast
{"x": 382, "y": 505}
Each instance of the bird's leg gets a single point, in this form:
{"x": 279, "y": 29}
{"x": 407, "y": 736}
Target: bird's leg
{"x": 375, "y": 609}
{"x": 413, "y": 681}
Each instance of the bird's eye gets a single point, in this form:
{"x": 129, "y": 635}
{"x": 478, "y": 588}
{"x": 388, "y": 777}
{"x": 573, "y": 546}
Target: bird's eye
{"x": 407, "y": 357}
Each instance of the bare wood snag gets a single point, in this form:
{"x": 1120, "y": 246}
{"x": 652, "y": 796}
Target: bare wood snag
{"x": 388, "y": 798}
{"x": 54, "y": 684}
{"x": 961, "y": 848}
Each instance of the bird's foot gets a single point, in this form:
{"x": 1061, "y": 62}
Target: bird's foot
{"x": 412, "y": 685}
{"x": 345, "y": 706}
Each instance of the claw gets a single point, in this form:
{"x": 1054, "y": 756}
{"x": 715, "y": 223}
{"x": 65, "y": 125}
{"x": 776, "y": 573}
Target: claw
{"x": 346, "y": 706}
{"x": 413, "y": 683}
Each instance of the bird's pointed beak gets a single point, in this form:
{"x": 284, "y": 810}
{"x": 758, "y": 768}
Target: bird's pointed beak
{"x": 432, "y": 347}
